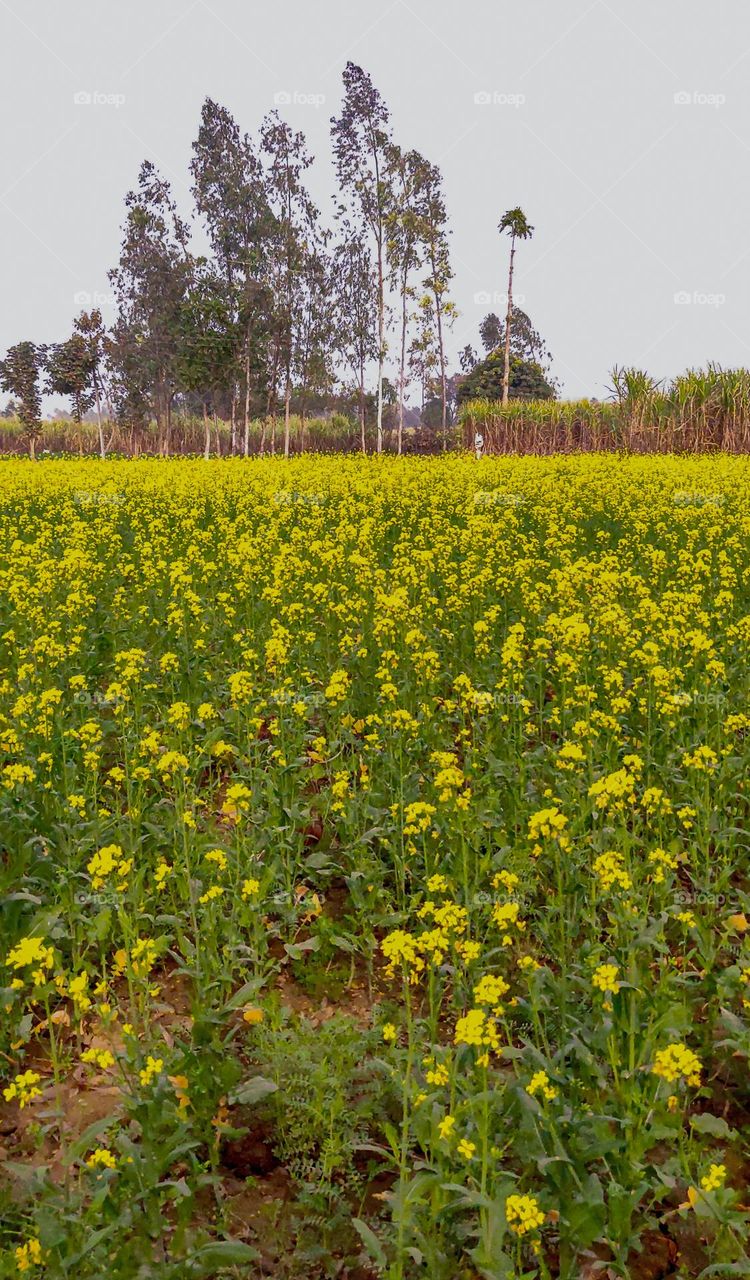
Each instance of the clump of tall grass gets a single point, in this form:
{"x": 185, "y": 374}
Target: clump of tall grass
{"x": 698, "y": 411}
{"x": 60, "y": 436}
{"x": 542, "y": 426}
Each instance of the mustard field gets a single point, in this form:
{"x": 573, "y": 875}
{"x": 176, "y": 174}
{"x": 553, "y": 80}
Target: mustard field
{"x": 374, "y": 893}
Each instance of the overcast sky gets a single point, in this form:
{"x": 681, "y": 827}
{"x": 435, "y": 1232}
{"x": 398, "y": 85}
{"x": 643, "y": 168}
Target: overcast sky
{"x": 622, "y": 127}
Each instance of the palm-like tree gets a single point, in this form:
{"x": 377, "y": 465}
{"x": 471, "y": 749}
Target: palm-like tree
{"x": 516, "y": 223}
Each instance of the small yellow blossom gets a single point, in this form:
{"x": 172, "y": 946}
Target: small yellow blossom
{"x": 523, "y": 1215}
{"x": 715, "y": 1177}
{"x": 152, "y": 1069}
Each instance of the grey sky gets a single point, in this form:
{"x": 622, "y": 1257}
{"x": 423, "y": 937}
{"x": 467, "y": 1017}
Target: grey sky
{"x": 622, "y": 127}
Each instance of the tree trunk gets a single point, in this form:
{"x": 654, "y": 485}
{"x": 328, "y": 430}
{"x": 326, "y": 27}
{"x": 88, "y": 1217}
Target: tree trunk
{"x": 246, "y": 420}
{"x": 287, "y": 401}
{"x": 217, "y": 435}
{"x": 102, "y": 446}
{"x": 402, "y": 370}
{"x": 441, "y": 348}
{"x": 270, "y": 406}
{"x": 207, "y": 430}
{"x": 233, "y": 412}
{"x": 362, "y": 404}
{"x": 381, "y": 339}
{"x": 167, "y": 423}
{"x": 303, "y": 416}
{"x": 506, "y": 361}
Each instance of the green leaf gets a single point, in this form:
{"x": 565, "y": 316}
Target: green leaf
{"x": 715, "y": 1125}
{"x": 370, "y": 1241}
{"x": 242, "y": 996}
{"x": 318, "y": 860}
{"x": 393, "y": 1139}
{"x": 343, "y": 944}
{"x": 252, "y": 1091}
{"x": 219, "y": 1254}
{"x": 587, "y": 1215}
{"x": 296, "y": 950}
{"x": 726, "y": 1269}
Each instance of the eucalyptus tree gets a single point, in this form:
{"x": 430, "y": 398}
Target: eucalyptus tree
{"x": 515, "y": 223}
{"x": 19, "y": 375}
{"x": 91, "y": 328}
{"x": 294, "y": 232}
{"x": 355, "y": 310}
{"x": 209, "y": 340}
{"x": 423, "y": 348}
{"x": 526, "y": 343}
{"x": 361, "y": 144}
{"x": 316, "y": 327}
{"x": 467, "y": 358}
{"x": 403, "y": 250}
{"x": 70, "y": 371}
{"x": 229, "y": 189}
{"x": 150, "y": 283}
{"x": 433, "y": 233}
{"x": 128, "y": 378}
{"x": 491, "y": 332}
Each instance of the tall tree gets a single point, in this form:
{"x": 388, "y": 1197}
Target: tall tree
{"x": 19, "y": 375}
{"x": 355, "y": 303}
{"x": 403, "y": 246}
{"x": 433, "y": 220}
{"x": 491, "y": 332}
{"x": 230, "y": 195}
{"x": 423, "y": 349}
{"x": 360, "y": 147}
{"x": 528, "y": 380}
{"x": 209, "y": 342}
{"x": 91, "y": 328}
{"x": 294, "y": 230}
{"x": 526, "y": 342}
{"x": 70, "y": 373}
{"x": 467, "y": 358}
{"x": 518, "y": 228}
{"x": 129, "y": 378}
{"x": 150, "y": 283}
{"x": 316, "y": 326}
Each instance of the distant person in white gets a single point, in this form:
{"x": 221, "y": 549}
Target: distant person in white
{"x": 478, "y": 444}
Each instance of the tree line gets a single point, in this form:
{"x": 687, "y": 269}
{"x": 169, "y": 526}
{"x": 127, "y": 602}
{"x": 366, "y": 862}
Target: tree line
{"x": 287, "y": 310}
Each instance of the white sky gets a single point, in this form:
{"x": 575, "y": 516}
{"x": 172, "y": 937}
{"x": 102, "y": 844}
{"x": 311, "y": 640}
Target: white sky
{"x": 635, "y": 197}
